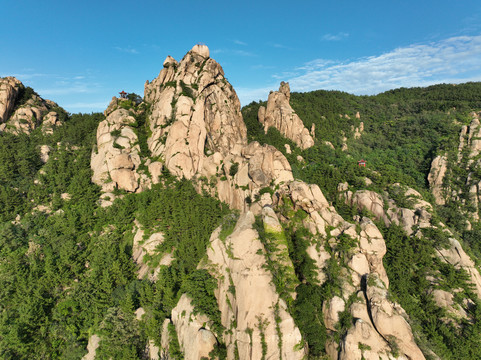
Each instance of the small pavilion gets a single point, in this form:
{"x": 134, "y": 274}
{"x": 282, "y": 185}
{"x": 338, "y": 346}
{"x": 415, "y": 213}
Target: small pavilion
{"x": 123, "y": 95}
{"x": 362, "y": 163}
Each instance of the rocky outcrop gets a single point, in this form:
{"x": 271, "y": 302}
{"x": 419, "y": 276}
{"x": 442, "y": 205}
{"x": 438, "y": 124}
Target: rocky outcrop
{"x": 388, "y": 319}
{"x": 27, "y": 116}
{"x": 413, "y": 219}
{"x": 445, "y": 299}
{"x": 436, "y": 177}
{"x": 456, "y": 256}
{"x": 364, "y": 199}
{"x": 50, "y": 122}
{"x": 361, "y": 262}
{"x": 142, "y": 246}
{"x": 362, "y": 340}
{"x": 45, "y": 153}
{"x": 251, "y": 308}
{"x": 93, "y": 344}
{"x": 239, "y": 176}
{"x": 468, "y": 158}
{"x": 383, "y": 208}
{"x": 9, "y": 89}
{"x": 279, "y": 114}
{"x": 194, "y": 110}
{"x": 197, "y": 132}
{"x": 195, "y": 339}
{"x": 380, "y": 330}
{"x": 116, "y": 160}
{"x": 357, "y": 131}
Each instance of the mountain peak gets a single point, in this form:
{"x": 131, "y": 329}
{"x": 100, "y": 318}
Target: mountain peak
{"x": 202, "y": 50}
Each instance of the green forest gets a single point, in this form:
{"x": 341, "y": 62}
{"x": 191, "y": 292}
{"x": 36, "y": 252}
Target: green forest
{"x": 404, "y": 130}
{"x": 66, "y": 270}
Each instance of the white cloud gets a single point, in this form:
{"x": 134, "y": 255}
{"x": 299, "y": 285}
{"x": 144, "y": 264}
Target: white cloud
{"x": 64, "y": 89}
{"x": 262, "y": 67}
{"x": 452, "y": 60}
{"x": 233, "y": 51}
{"x": 279, "y": 46}
{"x": 335, "y": 37}
{"x": 243, "y": 53}
{"x": 69, "y": 85}
{"x": 26, "y": 76}
{"x": 86, "y": 106}
{"x": 285, "y": 75}
{"x": 247, "y": 95}
{"x": 128, "y": 50}
{"x": 238, "y": 42}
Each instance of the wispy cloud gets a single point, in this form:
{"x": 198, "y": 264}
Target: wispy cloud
{"x": 247, "y": 95}
{"x": 64, "y": 90}
{"x": 69, "y": 85}
{"x": 233, "y": 51}
{"x": 451, "y": 60}
{"x": 243, "y": 53}
{"x": 128, "y": 49}
{"x": 81, "y": 106}
{"x": 316, "y": 64}
{"x": 238, "y": 42}
{"x": 285, "y": 75}
{"x": 26, "y": 76}
{"x": 335, "y": 37}
{"x": 262, "y": 67}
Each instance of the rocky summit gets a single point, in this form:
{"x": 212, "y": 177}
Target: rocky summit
{"x": 21, "y": 110}
{"x": 180, "y": 226}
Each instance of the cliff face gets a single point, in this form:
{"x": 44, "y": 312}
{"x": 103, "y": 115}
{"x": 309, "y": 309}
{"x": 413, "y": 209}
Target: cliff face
{"x": 33, "y": 112}
{"x": 350, "y": 263}
{"x": 279, "y": 114}
{"x": 194, "y": 110}
{"x": 452, "y": 177}
{"x": 196, "y": 131}
{"x": 9, "y": 89}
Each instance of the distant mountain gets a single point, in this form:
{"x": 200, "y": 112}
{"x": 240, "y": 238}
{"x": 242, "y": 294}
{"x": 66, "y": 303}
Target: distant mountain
{"x": 315, "y": 225}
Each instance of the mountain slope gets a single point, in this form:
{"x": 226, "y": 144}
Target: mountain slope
{"x": 174, "y": 229}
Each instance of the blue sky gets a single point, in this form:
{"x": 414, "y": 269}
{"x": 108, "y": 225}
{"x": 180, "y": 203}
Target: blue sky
{"x": 80, "y": 54}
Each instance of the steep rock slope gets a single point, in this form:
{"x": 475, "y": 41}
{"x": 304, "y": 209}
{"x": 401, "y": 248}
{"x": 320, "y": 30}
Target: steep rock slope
{"x": 251, "y": 308}
{"x": 9, "y": 89}
{"x": 378, "y": 271}
{"x": 453, "y": 177}
{"x": 117, "y": 160}
{"x": 22, "y": 110}
{"x": 279, "y": 114}
{"x": 198, "y": 133}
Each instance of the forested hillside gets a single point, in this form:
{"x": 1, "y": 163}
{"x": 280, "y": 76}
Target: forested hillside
{"x": 403, "y": 131}
{"x": 178, "y": 226}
